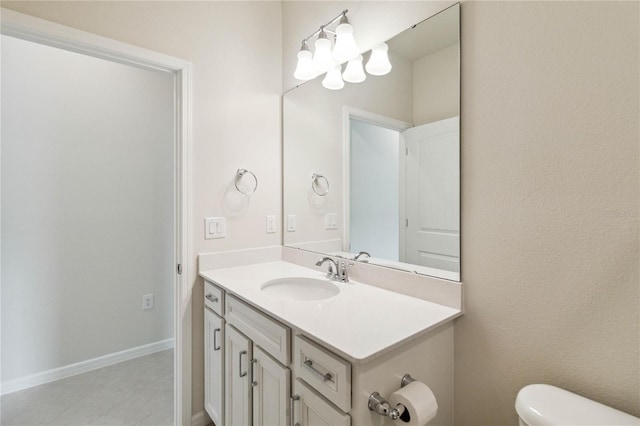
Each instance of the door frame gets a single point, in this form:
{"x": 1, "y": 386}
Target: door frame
{"x": 348, "y": 113}
{"x": 37, "y": 30}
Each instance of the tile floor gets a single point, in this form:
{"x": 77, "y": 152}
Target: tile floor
{"x": 134, "y": 392}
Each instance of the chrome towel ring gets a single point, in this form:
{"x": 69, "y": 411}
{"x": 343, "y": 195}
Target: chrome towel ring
{"x": 239, "y": 174}
{"x": 316, "y": 185}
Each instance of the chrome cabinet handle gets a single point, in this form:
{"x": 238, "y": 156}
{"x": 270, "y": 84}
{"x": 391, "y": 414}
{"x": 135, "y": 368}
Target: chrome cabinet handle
{"x": 240, "y": 364}
{"x": 292, "y": 409}
{"x": 215, "y": 340}
{"x": 212, "y": 298}
{"x": 325, "y": 377}
{"x": 253, "y": 372}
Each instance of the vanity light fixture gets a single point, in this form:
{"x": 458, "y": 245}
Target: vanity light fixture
{"x": 333, "y": 79}
{"x": 378, "y": 63}
{"x": 354, "y": 73}
{"x": 305, "y": 69}
{"x": 329, "y": 61}
{"x": 325, "y": 58}
{"x": 322, "y": 58}
{"x": 345, "y": 48}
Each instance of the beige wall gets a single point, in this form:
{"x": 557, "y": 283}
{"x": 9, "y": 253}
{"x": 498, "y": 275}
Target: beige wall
{"x": 235, "y": 48}
{"x": 550, "y": 147}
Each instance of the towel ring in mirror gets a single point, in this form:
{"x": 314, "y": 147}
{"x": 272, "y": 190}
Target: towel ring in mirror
{"x": 316, "y": 185}
{"x": 239, "y": 174}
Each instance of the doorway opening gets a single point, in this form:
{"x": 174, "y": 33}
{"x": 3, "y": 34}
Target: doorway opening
{"x": 94, "y": 210}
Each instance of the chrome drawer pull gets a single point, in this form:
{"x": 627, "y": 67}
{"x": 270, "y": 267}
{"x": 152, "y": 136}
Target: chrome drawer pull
{"x": 240, "y": 364}
{"x": 215, "y": 340}
{"x": 325, "y": 377}
{"x": 212, "y": 298}
{"x": 253, "y": 372}
{"x": 294, "y": 398}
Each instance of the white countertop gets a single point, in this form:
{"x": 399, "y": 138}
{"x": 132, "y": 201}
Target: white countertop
{"x": 359, "y": 323}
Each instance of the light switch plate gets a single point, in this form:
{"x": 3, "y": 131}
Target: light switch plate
{"x": 291, "y": 223}
{"x": 215, "y": 227}
{"x": 271, "y": 224}
{"x": 331, "y": 221}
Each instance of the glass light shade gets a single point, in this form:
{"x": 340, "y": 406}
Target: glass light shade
{"x": 345, "y": 48}
{"x": 354, "y": 73}
{"x": 333, "y": 79}
{"x": 305, "y": 69}
{"x": 378, "y": 63}
{"x": 322, "y": 59}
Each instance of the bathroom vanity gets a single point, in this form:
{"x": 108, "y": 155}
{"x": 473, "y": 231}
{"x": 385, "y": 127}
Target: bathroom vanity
{"x": 284, "y": 345}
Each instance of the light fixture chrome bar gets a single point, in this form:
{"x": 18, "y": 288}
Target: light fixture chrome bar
{"x": 324, "y": 27}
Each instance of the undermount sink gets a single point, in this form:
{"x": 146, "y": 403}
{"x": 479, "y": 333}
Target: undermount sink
{"x": 300, "y": 288}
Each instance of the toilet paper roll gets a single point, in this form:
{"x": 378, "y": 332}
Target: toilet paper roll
{"x": 419, "y": 401}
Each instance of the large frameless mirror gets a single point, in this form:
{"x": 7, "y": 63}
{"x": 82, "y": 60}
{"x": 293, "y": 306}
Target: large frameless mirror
{"x": 371, "y": 171}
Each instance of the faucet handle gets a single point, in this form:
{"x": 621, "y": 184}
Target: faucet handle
{"x": 343, "y": 271}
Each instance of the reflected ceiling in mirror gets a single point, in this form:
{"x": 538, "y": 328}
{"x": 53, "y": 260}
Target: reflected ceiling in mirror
{"x": 388, "y": 153}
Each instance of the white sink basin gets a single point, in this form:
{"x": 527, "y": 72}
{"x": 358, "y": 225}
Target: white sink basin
{"x": 300, "y": 288}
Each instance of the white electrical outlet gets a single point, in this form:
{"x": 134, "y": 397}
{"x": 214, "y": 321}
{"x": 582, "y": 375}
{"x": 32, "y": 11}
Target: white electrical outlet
{"x": 291, "y": 223}
{"x": 147, "y": 301}
{"x": 271, "y": 224}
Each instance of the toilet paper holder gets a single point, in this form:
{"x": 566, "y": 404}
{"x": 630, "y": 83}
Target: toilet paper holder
{"x": 378, "y": 404}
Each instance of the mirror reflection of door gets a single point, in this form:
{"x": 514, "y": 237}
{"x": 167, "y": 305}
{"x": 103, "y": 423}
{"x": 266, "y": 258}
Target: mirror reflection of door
{"x": 408, "y": 178}
{"x": 432, "y": 182}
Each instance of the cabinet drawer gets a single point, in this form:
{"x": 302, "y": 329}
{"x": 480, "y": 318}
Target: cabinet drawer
{"x": 213, "y": 298}
{"x": 265, "y": 332}
{"x": 313, "y": 410}
{"x": 324, "y": 371}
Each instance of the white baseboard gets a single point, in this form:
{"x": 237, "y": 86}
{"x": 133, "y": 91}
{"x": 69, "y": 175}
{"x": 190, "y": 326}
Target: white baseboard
{"x": 83, "y": 366}
{"x": 200, "y": 419}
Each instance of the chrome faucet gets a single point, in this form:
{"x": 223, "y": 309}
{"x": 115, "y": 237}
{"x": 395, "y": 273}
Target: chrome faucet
{"x": 336, "y": 272}
{"x": 362, "y": 253}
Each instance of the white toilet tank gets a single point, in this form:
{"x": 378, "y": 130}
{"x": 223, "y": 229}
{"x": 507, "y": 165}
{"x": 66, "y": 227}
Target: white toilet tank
{"x": 548, "y": 405}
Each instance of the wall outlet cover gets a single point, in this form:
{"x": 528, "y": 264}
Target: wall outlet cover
{"x": 147, "y": 301}
{"x": 271, "y": 224}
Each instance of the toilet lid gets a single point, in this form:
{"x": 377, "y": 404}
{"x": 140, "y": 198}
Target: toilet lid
{"x": 540, "y": 405}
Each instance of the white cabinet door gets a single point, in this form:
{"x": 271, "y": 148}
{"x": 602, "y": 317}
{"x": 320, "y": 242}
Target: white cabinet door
{"x": 214, "y": 366}
{"x": 271, "y": 390}
{"x": 311, "y": 410}
{"x": 238, "y": 355}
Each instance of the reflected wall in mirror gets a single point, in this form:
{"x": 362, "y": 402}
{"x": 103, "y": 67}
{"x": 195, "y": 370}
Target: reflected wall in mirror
{"x": 389, "y": 151}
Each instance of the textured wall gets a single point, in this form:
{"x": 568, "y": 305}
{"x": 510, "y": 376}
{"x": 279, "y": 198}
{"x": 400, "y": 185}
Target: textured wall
{"x": 550, "y": 203}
